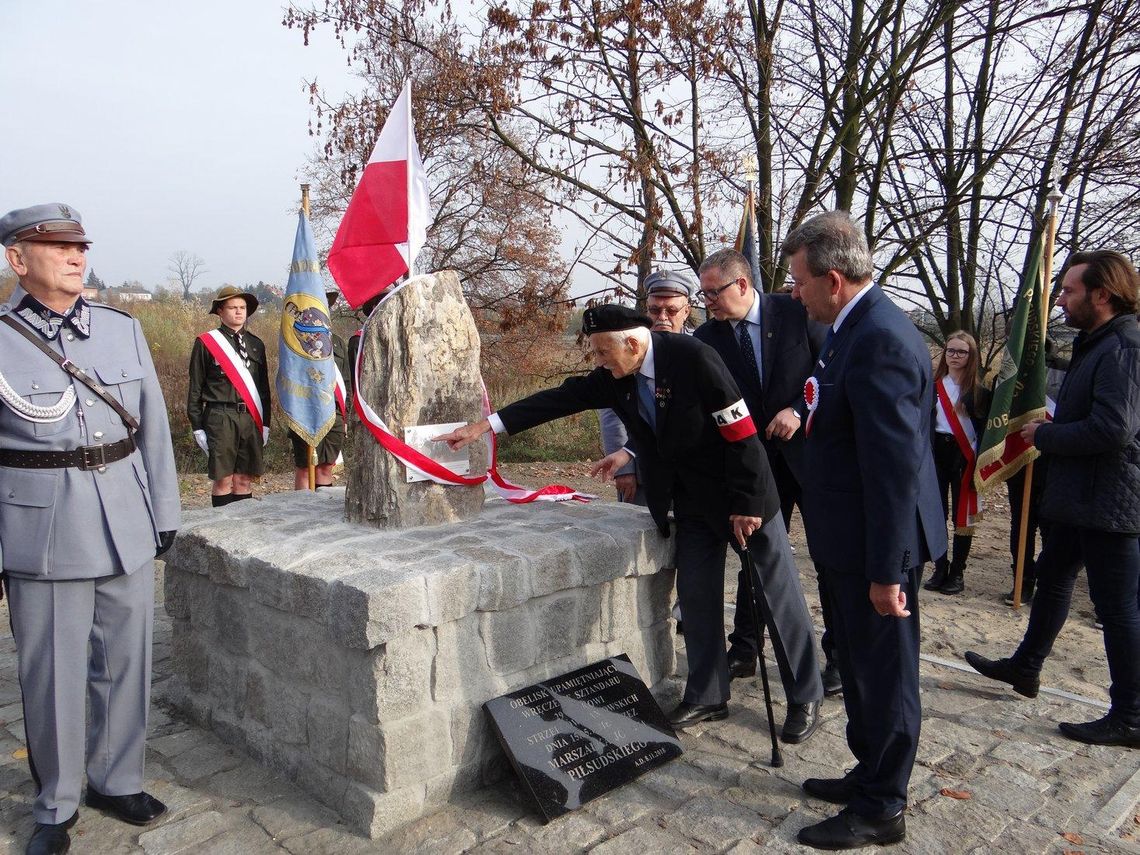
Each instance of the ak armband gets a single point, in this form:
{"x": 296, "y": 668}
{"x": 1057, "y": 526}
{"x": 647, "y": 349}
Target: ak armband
{"x": 734, "y": 422}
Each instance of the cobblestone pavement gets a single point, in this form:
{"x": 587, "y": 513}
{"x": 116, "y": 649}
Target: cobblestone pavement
{"x": 993, "y": 773}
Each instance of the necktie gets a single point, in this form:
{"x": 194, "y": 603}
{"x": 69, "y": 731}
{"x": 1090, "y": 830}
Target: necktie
{"x": 823, "y": 351}
{"x": 646, "y": 390}
{"x": 748, "y": 351}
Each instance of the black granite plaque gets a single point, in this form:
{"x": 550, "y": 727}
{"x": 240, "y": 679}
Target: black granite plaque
{"x": 573, "y": 738}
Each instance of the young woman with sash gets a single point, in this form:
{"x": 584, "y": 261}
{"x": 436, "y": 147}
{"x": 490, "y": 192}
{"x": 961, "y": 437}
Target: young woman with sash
{"x": 960, "y": 406}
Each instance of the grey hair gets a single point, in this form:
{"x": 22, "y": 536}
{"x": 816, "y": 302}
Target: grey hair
{"x": 619, "y": 336}
{"x": 833, "y": 242}
{"x": 730, "y": 261}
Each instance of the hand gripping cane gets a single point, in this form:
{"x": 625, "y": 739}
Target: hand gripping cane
{"x": 749, "y": 570}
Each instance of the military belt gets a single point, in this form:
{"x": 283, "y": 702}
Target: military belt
{"x": 239, "y": 406}
{"x": 85, "y": 457}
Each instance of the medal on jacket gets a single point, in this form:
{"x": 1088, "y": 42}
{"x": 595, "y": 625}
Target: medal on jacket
{"x": 811, "y": 398}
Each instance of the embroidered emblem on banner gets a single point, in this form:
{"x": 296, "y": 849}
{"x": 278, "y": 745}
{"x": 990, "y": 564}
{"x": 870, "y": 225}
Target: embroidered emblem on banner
{"x": 309, "y": 334}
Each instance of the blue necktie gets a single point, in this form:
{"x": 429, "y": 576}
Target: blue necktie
{"x": 826, "y": 345}
{"x": 646, "y": 389}
{"x": 748, "y": 352}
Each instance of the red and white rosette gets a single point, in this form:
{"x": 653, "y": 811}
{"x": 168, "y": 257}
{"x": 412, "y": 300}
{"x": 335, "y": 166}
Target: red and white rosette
{"x": 437, "y": 472}
{"x": 811, "y": 398}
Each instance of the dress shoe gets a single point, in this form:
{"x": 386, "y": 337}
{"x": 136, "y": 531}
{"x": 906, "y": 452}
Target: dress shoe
{"x": 800, "y": 722}
{"x": 1104, "y": 731}
{"x": 938, "y": 577}
{"x": 848, "y": 830}
{"x": 1026, "y": 593}
{"x": 687, "y": 714}
{"x": 1005, "y": 671}
{"x": 832, "y": 682}
{"x": 741, "y": 668}
{"x": 51, "y": 839}
{"x": 136, "y": 808}
{"x": 838, "y": 791}
{"x": 954, "y": 584}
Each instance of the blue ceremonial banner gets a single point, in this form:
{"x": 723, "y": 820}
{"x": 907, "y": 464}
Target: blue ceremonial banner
{"x": 306, "y": 373}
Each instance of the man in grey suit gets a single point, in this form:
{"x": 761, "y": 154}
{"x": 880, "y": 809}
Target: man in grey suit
{"x": 88, "y": 498}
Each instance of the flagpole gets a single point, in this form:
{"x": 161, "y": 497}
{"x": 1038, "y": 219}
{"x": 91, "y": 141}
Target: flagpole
{"x": 1054, "y": 198}
{"x": 312, "y": 455}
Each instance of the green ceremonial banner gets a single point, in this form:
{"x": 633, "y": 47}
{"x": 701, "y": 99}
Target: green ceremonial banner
{"x": 1019, "y": 392}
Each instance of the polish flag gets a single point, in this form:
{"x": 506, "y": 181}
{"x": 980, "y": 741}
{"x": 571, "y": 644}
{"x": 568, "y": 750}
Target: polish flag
{"x": 386, "y": 222}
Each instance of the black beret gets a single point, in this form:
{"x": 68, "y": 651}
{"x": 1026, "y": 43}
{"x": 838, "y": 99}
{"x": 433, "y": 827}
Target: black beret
{"x": 610, "y": 317}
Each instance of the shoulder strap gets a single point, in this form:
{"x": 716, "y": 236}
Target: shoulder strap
{"x": 75, "y": 371}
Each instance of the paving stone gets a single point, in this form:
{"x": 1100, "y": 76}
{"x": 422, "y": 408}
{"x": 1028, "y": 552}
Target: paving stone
{"x": 251, "y": 782}
{"x": 645, "y": 838}
{"x": 677, "y": 782}
{"x": 1032, "y": 757}
{"x": 180, "y": 741}
{"x": 625, "y": 805}
{"x": 292, "y": 816}
{"x": 713, "y": 821}
{"x": 441, "y": 832}
{"x": 243, "y": 838}
{"x": 1009, "y": 790}
{"x": 329, "y": 841}
{"x": 186, "y": 835}
{"x": 204, "y": 761}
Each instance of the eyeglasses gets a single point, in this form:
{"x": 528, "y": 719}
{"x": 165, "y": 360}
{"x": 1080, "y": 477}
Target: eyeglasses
{"x": 954, "y": 351}
{"x": 671, "y": 311}
{"x": 711, "y": 296}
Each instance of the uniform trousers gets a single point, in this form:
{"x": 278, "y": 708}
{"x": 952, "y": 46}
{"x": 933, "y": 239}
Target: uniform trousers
{"x": 1113, "y": 564}
{"x": 701, "y": 549}
{"x": 80, "y": 641}
{"x": 878, "y": 661}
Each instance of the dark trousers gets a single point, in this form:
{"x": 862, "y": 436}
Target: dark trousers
{"x": 701, "y": 550}
{"x": 950, "y": 465}
{"x": 878, "y": 661}
{"x": 1015, "y": 488}
{"x": 742, "y": 639}
{"x": 1113, "y": 563}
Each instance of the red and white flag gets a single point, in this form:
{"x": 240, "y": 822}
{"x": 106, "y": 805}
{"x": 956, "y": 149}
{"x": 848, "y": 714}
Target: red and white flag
{"x": 386, "y": 222}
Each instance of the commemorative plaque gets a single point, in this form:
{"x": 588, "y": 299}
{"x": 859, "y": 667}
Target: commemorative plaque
{"x": 575, "y": 737}
{"x": 419, "y": 437}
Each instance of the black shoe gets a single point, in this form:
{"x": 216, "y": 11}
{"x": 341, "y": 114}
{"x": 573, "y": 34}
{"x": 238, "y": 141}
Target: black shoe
{"x": 938, "y": 577}
{"x": 741, "y": 668}
{"x": 1005, "y": 671}
{"x": 832, "y": 682}
{"x": 137, "y": 808}
{"x": 1026, "y": 593}
{"x": 800, "y": 722}
{"x": 680, "y": 628}
{"x": 1104, "y": 731}
{"x": 848, "y": 830}
{"x": 51, "y": 839}
{"x": 687, "y": 714}
{"x": 838, "y": 791}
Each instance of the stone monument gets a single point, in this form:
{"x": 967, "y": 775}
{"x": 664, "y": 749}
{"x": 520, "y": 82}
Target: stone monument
{"x": 421, "y": 367}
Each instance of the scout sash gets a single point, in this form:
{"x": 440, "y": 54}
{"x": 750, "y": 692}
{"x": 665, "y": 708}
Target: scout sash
{"x": 969, "y": 506}
{"x": 236, "y": 372}
{"x": 341, "y": 392}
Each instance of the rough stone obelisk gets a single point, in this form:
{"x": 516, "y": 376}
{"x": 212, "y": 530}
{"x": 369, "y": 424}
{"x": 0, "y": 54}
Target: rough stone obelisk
{"x": 421, "y": 366}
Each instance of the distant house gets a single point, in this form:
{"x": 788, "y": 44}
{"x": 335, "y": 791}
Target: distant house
{"x": 91, "y": 294}
{"x": 128, "y": 294}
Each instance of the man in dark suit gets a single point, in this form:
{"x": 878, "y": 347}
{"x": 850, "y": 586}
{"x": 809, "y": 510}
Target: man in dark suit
{"x": 872, "y": 515}
{"x": 770, "y": 347}
{"x": 698, "y": 453}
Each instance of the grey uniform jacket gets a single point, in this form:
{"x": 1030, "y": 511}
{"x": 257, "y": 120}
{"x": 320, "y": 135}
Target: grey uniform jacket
{"x": 67, "y": 523}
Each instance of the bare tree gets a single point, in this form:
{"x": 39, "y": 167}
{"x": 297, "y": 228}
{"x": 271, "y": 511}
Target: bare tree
{"x": 185, "y": 267}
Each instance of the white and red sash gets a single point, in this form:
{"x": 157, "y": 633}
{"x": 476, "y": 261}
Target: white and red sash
{"x": 341, "y": 392}
{"x": 437, "y": 472}
{"x": 235, "y": 370}
{"x": 969, "y": 505}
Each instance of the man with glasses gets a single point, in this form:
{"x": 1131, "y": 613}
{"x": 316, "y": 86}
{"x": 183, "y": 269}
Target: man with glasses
{"x": 667, "y": 302}
{"x": 770, "y": 347}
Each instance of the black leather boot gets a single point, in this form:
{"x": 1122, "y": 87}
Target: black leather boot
{"x": 938, "y": 577}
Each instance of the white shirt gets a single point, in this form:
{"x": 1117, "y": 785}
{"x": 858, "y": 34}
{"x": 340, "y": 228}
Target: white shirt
{"x": 846, "y": 310}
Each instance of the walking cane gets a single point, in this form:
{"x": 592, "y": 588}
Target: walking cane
{"x": 777, "y": 756}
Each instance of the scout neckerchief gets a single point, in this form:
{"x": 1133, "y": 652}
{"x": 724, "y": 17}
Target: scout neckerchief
{"x": 234, "y": 367}
{"x": 969, "y": 506}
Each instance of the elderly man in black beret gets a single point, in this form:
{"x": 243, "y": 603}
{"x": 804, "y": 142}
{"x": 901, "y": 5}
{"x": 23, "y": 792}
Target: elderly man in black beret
{"x": 698, "y": 453}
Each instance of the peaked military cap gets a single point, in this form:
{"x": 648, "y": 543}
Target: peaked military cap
{"x": 669, "y": 282}
{"x": 53, "y": 222}
{"x": 610, "y": 317}
{"x": 228, "y": 293}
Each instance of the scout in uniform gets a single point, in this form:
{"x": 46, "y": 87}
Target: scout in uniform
{"x": 88, "y": 498}
{"x": 228, "y": 402}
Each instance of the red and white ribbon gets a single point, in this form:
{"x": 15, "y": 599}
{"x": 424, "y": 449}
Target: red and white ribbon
{"x": 969, "y": 508}
{"x": 235, "y": 370}
{"x": 341, "y": 392}
{"x": 436, "y": 471}
{"x": 811, "y": 398}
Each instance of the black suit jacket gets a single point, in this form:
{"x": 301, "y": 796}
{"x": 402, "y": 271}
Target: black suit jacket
{"x": 790, "y": 345}
{"x": 689, "y": 461}
{"x": 870, "y": 493}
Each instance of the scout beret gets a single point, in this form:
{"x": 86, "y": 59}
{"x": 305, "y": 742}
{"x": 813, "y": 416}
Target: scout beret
{"x": 610, "y": 317}
{"x": 53, "y": 222}
{"x": 669, "y": 282}
{"x": 228, "y": 293}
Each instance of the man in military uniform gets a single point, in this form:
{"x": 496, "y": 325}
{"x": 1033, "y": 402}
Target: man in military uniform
{"x": 328, "y": 452}
{"x": 88, "y": 498}
{"x": 228, "y": 402}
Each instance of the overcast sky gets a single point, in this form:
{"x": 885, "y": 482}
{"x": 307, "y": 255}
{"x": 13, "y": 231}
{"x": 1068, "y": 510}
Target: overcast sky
{"x": 169, "y": 126}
